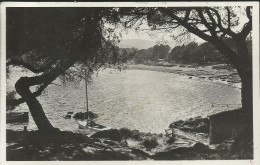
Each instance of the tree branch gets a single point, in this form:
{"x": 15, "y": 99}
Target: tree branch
{"x": 248, "y": 26}
{"x": 214, "y": 24}
{"x": 187, "y": 15}
{"x": 206, "y": 24}
{"x": 229, "y": 22}
{"x": 44, "y": 79}
{"x": 186, "y": 25}
{"x": 28, "y": 66}
{"x": 248, "y": 14}
{"x": 220, "y": 26}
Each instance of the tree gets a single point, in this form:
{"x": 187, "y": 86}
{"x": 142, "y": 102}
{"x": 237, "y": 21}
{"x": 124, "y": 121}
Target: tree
{"x": 192, "y": 53}
{"x": 160, "y": 51}
{"x": 212, "y": 24}
{"x": 52, "y": 43}
{"x": 175, "y": 54}
{"x": 188, "y": 52}
{"x": 144, "y": 55}
{"x": 126, "y": 54}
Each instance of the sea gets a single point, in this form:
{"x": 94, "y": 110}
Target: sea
{"x": 136, "y": 99}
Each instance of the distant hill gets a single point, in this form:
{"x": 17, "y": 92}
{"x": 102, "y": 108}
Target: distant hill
{"x": 140, "y": 44}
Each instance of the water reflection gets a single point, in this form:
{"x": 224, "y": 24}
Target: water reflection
{"x": 145, "y": 100}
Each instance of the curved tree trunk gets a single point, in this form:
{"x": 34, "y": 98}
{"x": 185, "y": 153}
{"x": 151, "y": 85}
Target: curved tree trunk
{"x": 247, "y": 94}
{"x": 247, "y": 102}
{"x": 23, "y": 85}
{"x": 35, "y": 107}
{"x": 245, "y": 72}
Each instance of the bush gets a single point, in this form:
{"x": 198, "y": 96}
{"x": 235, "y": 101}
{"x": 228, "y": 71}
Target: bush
{"x": 127, "y": 133}
{"x": 150, "y": 143}
{"x": 171, "y": 140}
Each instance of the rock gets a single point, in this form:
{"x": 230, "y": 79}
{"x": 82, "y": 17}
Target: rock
{"x": 199, "y": 146}
{"x": 83, "y": 115}
{"x": 223, "y": 146}
{"x": 69, "y": 113}
{"x": 197, "y": 124}
{"x": 67, "y": 117}
{"x": 111, "y": 143}
{"x": 176, "y": 124}
{"x": 202, "y": 128}
{"x": 112, "y": 134}
{"x": 127, "y": 133}
{"x": 187, "y": 128}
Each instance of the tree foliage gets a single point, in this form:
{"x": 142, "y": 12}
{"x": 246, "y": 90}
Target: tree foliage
{"x": 57, "y": 42}
{"x": 49, "y": 41}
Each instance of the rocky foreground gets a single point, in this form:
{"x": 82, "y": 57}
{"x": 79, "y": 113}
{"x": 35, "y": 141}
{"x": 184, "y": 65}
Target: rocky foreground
{"x": 188, "y": 141}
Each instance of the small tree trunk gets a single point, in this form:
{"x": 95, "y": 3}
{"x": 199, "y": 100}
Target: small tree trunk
{"x": 247, "y": 94}
{"x": 245, "y": 72}
{"x": 39, "y": 117}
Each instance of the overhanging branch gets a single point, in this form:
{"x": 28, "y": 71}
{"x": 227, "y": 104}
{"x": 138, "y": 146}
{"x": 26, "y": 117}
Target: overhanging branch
{"x": 186, "y": 25}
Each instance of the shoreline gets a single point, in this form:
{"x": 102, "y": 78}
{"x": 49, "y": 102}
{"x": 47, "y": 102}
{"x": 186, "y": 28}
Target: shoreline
{"x": 121, "y": 144}
{"x": 219, "y": 73}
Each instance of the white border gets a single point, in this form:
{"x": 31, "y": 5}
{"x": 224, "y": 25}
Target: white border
{"x": 256, "y": 93}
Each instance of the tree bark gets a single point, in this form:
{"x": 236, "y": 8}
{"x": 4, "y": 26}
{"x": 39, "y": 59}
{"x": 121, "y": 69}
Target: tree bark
{"x": 36, "y": 110}
{"x": 23, "y": 85}
{"x": 245, "y": 72}
{"x": 247, "y": 93}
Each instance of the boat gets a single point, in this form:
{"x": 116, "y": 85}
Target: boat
{"x": 17, "y": 117}
{"x": 93, "y": 127}
{"x": 89, "y": 125}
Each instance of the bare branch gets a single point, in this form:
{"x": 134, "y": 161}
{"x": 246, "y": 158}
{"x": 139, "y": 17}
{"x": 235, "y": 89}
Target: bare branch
{"x": 211, "y": 18}
{"x": 248, "y": 26}
{"x": 186, "y": 25}
{"x": 206, "y": 24}
{"x": 187, "y": 15}
{"x": 220, "y": 26}
{"x": 248, "y": 14}
{"x": 229, "y": 24}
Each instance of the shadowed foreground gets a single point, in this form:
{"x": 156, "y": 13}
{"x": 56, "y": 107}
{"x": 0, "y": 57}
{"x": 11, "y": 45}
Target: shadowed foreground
{"x": 123, "y": 144}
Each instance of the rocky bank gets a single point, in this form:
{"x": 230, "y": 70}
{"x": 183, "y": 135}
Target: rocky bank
{"x": 189, "y": 141}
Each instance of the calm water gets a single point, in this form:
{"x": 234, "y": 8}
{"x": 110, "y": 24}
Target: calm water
{"x": 145, "y": 100}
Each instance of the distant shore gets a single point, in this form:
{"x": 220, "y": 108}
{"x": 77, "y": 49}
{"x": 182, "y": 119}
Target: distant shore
{"x": 220, "y": 73}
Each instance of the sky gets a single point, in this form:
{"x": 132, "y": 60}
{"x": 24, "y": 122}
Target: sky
{"x": 132, "y": 34}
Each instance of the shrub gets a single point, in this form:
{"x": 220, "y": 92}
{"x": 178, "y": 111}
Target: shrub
{"x": 127, "y": 133}
{"x": 171, "y": 140}
{"x": 150, "y": 143}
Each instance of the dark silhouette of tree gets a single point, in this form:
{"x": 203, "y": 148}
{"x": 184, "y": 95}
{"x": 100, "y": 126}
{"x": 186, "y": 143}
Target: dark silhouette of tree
{"x": 193, "y": 53}
{"x": 126, "y": 54}
{"x": 50, "y": 41}
{"x": 160, "y": 51}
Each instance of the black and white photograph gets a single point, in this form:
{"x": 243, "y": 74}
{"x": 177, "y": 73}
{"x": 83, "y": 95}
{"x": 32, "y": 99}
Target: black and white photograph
{"x": 130, "y": 81}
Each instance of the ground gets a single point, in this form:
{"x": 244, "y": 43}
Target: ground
{"x": 123, "y": 144}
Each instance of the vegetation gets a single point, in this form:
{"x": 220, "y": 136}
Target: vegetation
{"x": 191, "y": 53}
{"x": 39, "y": 41}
